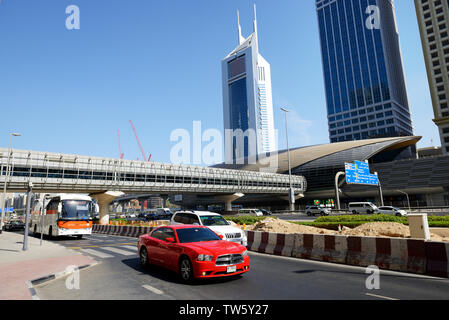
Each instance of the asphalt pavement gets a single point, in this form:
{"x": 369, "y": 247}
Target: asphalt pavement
{"x": 119, "y": 276}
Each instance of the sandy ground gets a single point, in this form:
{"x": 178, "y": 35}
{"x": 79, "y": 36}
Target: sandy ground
{"x": 372, "y": 229}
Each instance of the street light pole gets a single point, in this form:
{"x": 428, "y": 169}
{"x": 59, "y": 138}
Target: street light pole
{"x": 6, "y": 179}
{"x": 291, "y": 194}
{"x": 27, "y": 217}
{"x": 408, "y": 199}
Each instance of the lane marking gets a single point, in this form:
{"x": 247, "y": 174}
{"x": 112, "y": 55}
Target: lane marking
{"x": 381, "y": 297}
{"x": 98, "y": 253}
{"x": 134, "y": 248}
{"x": 152, "y": 289}
{"x": 114, "y": 245}
{"x": 122, "y": 252}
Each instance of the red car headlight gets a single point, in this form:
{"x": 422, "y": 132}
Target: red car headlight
{"x": 204, "y": 257}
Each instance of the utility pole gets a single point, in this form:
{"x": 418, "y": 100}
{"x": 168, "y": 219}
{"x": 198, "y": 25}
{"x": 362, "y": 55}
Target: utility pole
{"x": 291, "y": 193}
{"x": 27, "y": 217}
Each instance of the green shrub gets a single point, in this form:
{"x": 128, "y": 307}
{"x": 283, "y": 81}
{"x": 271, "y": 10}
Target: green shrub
{"x": 353, "y": 221}
{"x": 248, "y": 220}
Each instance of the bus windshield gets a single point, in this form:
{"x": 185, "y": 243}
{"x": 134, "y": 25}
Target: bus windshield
{"x": 75, "y": 209}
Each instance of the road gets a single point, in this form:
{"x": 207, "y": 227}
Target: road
{"x": 119, "y": 276}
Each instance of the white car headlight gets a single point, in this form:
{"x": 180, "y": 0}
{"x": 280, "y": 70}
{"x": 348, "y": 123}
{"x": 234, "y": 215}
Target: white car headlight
{"x": 205, "y": 257}
{"x": 245, "y": 253}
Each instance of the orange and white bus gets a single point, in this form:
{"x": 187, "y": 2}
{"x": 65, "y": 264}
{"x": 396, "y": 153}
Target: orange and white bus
{"x": 65, "y": 215}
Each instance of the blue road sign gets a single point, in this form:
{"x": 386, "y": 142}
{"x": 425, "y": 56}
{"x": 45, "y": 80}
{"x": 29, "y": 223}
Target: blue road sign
{"x": 11, "y": 209}
{"x": 358, "y": 173}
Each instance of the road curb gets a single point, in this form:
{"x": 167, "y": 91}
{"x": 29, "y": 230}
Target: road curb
{"x": 41, "y": 280}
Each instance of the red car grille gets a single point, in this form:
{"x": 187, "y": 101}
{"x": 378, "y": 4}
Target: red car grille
{"x": 229, "y": 259}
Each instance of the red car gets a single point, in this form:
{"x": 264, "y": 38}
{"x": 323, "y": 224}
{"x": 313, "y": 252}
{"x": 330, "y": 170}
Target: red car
{"x": 193, "y": 252}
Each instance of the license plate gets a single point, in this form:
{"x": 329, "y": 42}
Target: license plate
{"x": 232, "y": 269}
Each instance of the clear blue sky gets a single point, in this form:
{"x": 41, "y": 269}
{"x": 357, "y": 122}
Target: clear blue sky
{"x": 158, "y": 63}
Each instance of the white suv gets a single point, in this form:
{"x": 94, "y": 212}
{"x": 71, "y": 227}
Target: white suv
{"x": 314, "y": 210}
{"x": 363, "y": 208}
{"x": 213, "y": 221}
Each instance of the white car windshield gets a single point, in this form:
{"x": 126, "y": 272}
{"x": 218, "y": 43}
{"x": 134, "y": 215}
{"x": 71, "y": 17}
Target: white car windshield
{"x": 213, "y": 221}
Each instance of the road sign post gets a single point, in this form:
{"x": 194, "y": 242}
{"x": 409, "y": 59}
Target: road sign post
{"x": 358, "y": 173}
{"x": 337, "y": 193}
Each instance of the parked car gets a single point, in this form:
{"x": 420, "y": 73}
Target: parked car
{"x": 13, "y": 225}
{"x": 148, "y": 216}
{"x": 314, "y": 210}
{"x": 393, "y": 210}
{"x": 164, "y": 214}
{"x": 251, "y": 212}
{"x": 193, "y": 252}
{"x": 266, "y": 212}
{"x": 363, "y": 208}
{"x": 212, "y": 220}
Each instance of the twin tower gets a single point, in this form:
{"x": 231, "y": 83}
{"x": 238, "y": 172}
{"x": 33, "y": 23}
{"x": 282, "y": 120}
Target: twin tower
{"x": 247, "y": 100}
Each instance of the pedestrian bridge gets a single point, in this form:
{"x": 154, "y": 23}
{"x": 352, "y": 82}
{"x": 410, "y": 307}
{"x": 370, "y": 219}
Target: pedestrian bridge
{"x": 53, "y": 172}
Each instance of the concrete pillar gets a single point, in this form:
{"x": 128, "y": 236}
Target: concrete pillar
{"x": 229, "y": 199}
{"x": 297, "y": 197}
{"x": 164, "y": 200}
{"x": 104, "y": 200}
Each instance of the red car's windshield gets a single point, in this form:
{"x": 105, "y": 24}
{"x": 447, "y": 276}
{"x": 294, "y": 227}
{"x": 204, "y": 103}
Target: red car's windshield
{"x": 189, "y": 235}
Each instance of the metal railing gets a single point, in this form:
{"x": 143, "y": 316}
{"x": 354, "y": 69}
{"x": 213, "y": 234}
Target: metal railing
{"x": 50, "y": 172}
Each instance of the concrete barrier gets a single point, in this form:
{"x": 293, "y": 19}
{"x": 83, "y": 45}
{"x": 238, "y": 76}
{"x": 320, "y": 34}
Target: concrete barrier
{"x": 397, "y": 254}
{"x": 124, "y": 231}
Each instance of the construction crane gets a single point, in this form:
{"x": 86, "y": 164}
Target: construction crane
{"x": 138, "y": 142}
{"x": 122, "y": 155}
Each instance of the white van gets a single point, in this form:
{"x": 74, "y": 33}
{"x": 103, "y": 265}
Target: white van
{"x": 363, "y": 208}
{"x": 251, "y": 212}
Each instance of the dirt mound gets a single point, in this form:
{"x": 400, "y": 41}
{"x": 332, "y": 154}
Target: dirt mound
{"x": 379, "y": 229}
{"x": 281, "y": 226}
{"x": 371, "y": 229}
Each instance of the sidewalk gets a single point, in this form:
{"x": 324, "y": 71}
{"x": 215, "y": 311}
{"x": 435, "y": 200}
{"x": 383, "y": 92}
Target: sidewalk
{"x": 17, "y": 266}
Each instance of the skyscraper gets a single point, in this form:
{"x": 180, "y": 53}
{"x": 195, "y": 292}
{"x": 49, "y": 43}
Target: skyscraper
{"x": 433, "y": 18}
{"x": 364, "y": 80}
{"x": 247, "y": 99}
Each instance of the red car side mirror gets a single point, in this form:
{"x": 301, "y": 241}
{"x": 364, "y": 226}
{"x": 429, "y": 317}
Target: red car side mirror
{"x": 171, "y": 240}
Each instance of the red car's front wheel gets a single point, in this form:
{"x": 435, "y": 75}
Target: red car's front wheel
{"x": 144, "y": 257}
{"x": 186, "y": 270}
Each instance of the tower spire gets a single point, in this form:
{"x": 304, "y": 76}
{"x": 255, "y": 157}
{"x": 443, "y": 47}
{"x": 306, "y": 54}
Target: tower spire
{"x": 241, "y": 39}
{"x": 255, "y": 20}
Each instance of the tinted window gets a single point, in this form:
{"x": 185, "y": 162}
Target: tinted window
{"x": 158, "y": 234}
{"x": 213, "y": 221}
{"x": 179, "y": 218}
{"x": 191, "y": 218}
{"x": 196, "y": 235}
{"x": 163, "y": 233}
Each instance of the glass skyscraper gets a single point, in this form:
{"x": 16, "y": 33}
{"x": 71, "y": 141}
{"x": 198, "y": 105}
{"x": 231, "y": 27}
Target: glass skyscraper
{"x": 247, "y": 100}
{"x": 364, "y": 80}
